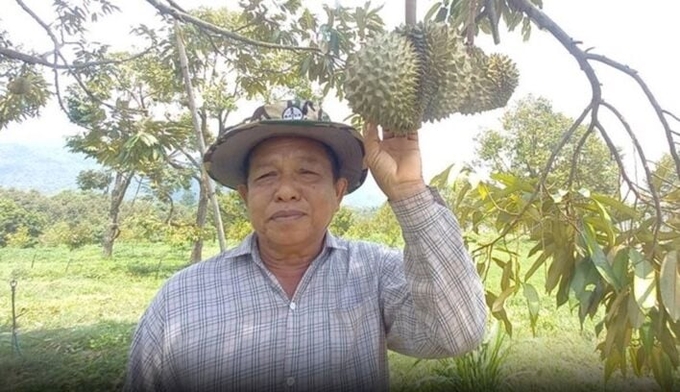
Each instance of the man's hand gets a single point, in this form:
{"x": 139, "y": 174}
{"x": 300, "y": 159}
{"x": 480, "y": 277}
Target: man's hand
{"x": 394, "y": 162}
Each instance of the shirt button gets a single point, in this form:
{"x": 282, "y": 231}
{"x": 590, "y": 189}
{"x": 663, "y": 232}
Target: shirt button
{"x": 292, "y": 306}
{"x": 290, "y": 381}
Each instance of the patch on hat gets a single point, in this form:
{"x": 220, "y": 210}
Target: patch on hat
{"x": 292, "y": 113}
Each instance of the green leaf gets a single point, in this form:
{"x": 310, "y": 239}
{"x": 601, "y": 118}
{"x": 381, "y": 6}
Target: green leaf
{"x": 440, "y": 180}
{"x": 615, "y": 205}
{"x": 661, "y": 368}
{"x": 547, "y": 252}
{"x": 598, "y": 257}
{"x": 434, "y": 10}
{"x": 635, "y": 316}
{"x": 669, "y": 284}
{"x": 585, "y": 274}
{"x": 533, "y": 305}
{"x": 499, "y": 303}
{"x": 619, "y": 257}
{"x": 644, "y": 286}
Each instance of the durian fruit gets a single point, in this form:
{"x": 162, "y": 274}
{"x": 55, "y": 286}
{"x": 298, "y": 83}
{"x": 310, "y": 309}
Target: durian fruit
{"x": 20, "y": 85}
{"x": 476, "y": 95}
{"x": 425, "y": 73}
{"x": 416, "y": 34}
{"x": 502, "y": 78}
{"x": 381, "y": 83}
{"x": 447, "y": 70}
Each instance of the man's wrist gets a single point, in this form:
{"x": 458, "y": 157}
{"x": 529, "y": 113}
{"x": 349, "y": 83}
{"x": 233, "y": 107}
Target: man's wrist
{"x": 405, "y": 191}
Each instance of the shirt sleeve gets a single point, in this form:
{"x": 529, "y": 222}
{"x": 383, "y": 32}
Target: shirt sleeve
{"x": 145, "y": 359}
{"x": 431, "y": 295}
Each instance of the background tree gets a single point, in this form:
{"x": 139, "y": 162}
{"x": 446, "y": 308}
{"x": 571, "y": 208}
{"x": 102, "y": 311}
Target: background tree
{"x": 120, "y": 131}
{"x": 531, "y": 130}
{"x": 94, "y": 180}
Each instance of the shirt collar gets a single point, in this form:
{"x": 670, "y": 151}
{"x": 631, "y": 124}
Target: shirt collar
{"x": 249, "y": 245}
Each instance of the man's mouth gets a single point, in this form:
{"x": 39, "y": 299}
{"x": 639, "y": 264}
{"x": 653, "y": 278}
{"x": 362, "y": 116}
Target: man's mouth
{"x": 286, "y": 215}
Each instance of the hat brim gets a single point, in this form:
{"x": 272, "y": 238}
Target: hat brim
{"x": 225, "y": 160}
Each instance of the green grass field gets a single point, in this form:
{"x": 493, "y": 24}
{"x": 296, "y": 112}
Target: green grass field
{"x": 77, "y": 312}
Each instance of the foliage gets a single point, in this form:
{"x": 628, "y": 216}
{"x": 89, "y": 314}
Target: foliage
{"x": 479, "y": 370}
{"x": 94, "y": 180}
{"x": 485, "y": 19}
{"x": 531, "y": 131}
{"x": 378, "y": 226}
{"x": 17, "y": 223}
{"x": 234, "y": 216}
{"x": 597, "y": 253}
{"x": 21, "y": 238}
{"x": 23, "y": 92}
{"x": 343, "y": 220}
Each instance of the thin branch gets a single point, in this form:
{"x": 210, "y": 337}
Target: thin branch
{"x": 57, "y": 51}
{"x": 645, "y": 166}
{"x": 492, "y": 15}
{"x": 470, "y": 31}
{"x": 676, "y": 118}
{"x": 27, "y": 58}
{"x": 577, "y": 152}
{"x": 183, "y": 16}
{"x": 652, "y": 100}
{"x": 618, "y": 159}
{"x": 544, "y": 22}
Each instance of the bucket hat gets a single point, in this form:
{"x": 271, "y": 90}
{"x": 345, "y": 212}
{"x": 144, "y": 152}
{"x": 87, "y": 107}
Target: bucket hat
{"x": 225, "y": 159}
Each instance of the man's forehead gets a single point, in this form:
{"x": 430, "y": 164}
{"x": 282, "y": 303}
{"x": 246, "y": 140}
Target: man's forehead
{"x": 297, "y": 147}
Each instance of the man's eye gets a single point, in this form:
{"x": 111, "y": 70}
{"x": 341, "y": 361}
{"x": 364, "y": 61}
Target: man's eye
{"x": 264, "y": 175}
{"x": 308, "y": 172}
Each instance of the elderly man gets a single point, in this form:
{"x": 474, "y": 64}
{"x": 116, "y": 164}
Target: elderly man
{"x": 294, "y": 308}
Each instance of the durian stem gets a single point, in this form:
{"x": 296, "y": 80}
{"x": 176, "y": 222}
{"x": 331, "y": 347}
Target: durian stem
{"x": 410, "y": 12}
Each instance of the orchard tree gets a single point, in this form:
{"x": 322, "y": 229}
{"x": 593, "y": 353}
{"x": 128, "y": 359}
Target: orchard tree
{"x": 119, "y": 130}
{"x": 530, "y": 132}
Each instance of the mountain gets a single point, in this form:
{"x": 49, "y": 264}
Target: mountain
{"x": 49, "y": 168}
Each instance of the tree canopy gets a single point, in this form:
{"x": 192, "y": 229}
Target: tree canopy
{"x": 531, "y": 130}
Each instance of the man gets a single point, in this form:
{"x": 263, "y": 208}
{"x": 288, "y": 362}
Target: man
{"x": 294, "y": 308}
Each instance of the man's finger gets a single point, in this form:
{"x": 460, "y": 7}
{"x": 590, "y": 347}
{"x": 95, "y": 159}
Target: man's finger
{"x": 371, "y": 138}
{"x": 387, "y": 134}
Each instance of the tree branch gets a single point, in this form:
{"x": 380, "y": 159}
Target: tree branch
{"x": 652, "y": 100}
{"x": 676, "y": 118}
{"x": 27, "y": 58}
{"x": 185, "y": 17}
{"x": 645, "y": 166}
{"x": 577, "y": 152}
{"x": 544, "y": 22}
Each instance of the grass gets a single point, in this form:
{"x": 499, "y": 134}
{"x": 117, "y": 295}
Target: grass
{"x": 77, "y": 312}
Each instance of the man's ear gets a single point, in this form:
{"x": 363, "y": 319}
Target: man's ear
{"x": 242, "y": 190}
{"x": 340, "y": 189}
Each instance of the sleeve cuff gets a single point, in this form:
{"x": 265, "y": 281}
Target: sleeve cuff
{"x": 419, "y": 210}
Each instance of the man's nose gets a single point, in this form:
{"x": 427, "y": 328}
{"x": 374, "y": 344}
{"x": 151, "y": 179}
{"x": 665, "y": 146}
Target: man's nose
{"x": 287, "y": 189}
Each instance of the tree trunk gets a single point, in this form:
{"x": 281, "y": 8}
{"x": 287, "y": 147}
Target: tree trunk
{"x": 201, "y": 215}
{"x": 120, "y": 186}
{"x": 410, "y": 15}
{"x": 203, "y": 198}
{"x": 205, "y": 179}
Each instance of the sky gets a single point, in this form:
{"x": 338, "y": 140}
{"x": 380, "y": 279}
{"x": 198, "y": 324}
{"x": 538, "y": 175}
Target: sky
{"x": 639, "y": 34}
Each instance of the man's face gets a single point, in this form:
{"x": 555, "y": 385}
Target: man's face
{"x": 291, "y": 194}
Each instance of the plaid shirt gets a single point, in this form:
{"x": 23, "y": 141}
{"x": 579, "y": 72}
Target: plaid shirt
{"x": 227, "y": 324}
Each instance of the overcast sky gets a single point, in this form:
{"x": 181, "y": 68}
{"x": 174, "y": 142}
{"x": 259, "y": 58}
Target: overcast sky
{"x": 639, "y": 34}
